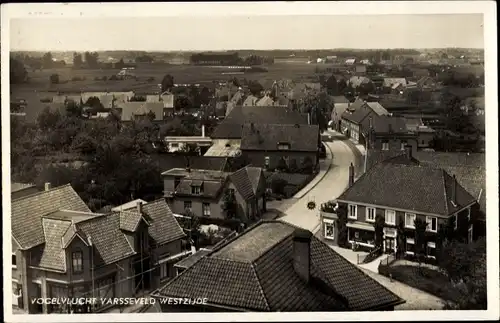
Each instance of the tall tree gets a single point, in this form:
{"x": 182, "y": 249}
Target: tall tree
{"x": 18, "y": 73}
{"x": 77, "y": 60}
{"x": 167, "y": 83}
{"x": 47, "y": 60}
{"x": 229, "y": 204}
{"x": 332, "y": 86}
{"x": 379, "y": 230}
{"x": 420, "y": 239}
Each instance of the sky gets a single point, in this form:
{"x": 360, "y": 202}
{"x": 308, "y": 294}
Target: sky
{"x": 247, "y": 32}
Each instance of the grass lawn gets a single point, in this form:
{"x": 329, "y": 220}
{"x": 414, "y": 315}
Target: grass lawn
{"x": 425, "y": 279}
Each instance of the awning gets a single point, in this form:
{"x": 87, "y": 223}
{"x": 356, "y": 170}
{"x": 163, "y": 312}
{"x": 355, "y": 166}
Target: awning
{"x": 361, "y": 226}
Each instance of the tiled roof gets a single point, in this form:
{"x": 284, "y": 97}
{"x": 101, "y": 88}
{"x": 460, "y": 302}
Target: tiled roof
{"x": 27, "y": 213}
{"x": 268, "y": 136}
{"x": 231, "y": 126}
{"x": 254, "y": 272}
{"x": 250, "y": 101}
{"x": 209, "y": 188}
{"x": 129, "y": 109}
{"x": 359, "y": 110}
{"x": 53, "y": 255}
{"x": 129, "y": 220}
{"x": 249, "y": 181}
{"x": 377, "y": 108}
{"x": 385, "y": 124}
{"x": 265, "y": 101}
{"x": 110, "y": 244}
{"x": 356, "y": 81}
{"x": 194, "y": 258}
{"x": 339, "y": 99}
{"x": 169, "y": 161}
{"x": 409, "y": 187}
{"x": 389, "y": 81}
{"x": 163, "y": 227}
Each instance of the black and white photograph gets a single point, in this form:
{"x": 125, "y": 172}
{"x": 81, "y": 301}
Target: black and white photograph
{"x": 315, "y": 160}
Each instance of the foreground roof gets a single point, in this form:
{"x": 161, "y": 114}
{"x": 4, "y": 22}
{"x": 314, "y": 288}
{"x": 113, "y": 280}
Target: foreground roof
{"x": 27, "y": 213}
{"x": 409, "y": 187}
{"x": 254, "y": 272}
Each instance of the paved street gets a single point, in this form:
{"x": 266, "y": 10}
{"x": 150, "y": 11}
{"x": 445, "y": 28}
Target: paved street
{"x": 330, "y": 186}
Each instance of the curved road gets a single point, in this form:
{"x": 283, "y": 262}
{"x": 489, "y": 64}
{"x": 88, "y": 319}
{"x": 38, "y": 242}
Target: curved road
{"x": 333, "y": 183}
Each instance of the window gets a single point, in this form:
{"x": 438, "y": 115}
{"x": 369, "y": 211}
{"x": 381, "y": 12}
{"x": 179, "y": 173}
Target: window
{"x": 206, "y": 209}
{"x": 432, "y": 223}
{"x": 470, "y": 234}
{"x": 188, "y": 205}
{"x": 195, "y": 190}
{"x": 431, "y": 249}
{"x": 283, "y": 146}
{"x": 77, "y": 262}
{"x": 455, "y": 221}
{"x": 370, "y": 214}
{"x": 330, "y": 230}
{"x": 390, "y": 217}
{"x": 403, "y": 145}
{"x": 164, "y": 270}
{"x": 410, "y": 246}
{"x": 230, "y": 191}
{"x": 105, "y": 288}
{"x": 423, "y": 142}
{"x": 14, "y": 260}
{"x": 410, "y": 220}
{"x": 352, "y": 211}
{"x": 385, "y": 145}
{"x": 266, "y": 161}
{"x": 177, "y": 181}
{"x": 468, "y": 214}
{"x": 174, "y": 145}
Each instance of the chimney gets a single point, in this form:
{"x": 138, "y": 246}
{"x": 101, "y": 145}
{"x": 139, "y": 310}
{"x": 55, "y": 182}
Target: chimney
{"x": 203, "y": 130}
{"x": 302, "y": 253}
{"x": 409, "y": 152}
{"x": 139, "y": 207}
{"x": 351, "y": 175}
{"x": 454, "y": 190}
{"x": 48, "y": 186}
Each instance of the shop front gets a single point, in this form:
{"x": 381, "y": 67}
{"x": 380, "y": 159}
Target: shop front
{"x": 361, "y": 235}
{"x": 329, "y": 227}
{"x": 390, "y": 240}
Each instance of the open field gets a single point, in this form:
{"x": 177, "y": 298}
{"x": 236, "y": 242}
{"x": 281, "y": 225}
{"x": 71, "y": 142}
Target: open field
{"x": 39, "y": 86}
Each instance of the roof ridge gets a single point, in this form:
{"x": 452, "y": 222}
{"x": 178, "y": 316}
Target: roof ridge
{"x": 271, "y": 248}
{"x": 41, "y": 192}
{"x": 261, "y": 289}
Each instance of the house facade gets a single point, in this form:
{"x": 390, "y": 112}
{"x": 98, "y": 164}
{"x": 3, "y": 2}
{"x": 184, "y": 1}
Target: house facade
{"x": 203, "y": 193}
{"x": 271, "y": 145}
{"x": 353, "y": 123}
{"x": 388, "y": 133}
{"x": 66, "y": 253}
{"x": 408, "y": 193}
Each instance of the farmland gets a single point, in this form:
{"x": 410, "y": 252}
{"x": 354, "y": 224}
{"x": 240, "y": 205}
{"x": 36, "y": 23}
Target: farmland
{"x": 148, "y": 77}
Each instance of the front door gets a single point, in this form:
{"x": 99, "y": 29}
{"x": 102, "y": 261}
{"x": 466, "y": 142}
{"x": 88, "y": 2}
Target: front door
{"x": 389, "y": 245}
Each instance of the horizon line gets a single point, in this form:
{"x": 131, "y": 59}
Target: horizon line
{"x": 236, "y": 50}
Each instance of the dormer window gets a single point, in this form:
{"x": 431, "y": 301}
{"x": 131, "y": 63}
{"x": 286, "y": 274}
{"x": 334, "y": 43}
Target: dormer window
{"x": 195, "y": 189}
{"x": 283, "y": 146}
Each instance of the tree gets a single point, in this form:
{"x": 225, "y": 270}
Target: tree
{"x": 18, "y": 73}
{"x": 229, "y": 204}
{"x": 293, "y": 167}
{"x": 332, "y": 86}
{"x": 342, "y": 223}
{"x": 182, "y": 103}
{"x": 48, "y": 119}
{"x": 465, "y": 265}
{"x": 342, "y": 85}
{"x": 379, "y": 230}
{"x": 73, "y": 109}
{"x": 205, "y": 96}
{"x": 54, "y": 79}
{"x": 47, "y": 60}
{"x": 420, "y": 239}
{"x": 167, "y": 83}
{"x": 83, "y": 144}
{"x": 278, "y": 186}
{"x": 282, "y": 166}
{"x": 255, "y": 88}
{"x": 94, "y": 103}
{"x": 307, "y": 165}
{"x": 92, "y": 59}
{"x": 401, "y": 236}
{"x": 77, "y": 60}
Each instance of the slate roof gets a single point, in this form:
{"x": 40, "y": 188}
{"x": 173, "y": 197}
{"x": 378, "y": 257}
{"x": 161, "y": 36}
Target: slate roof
{"x": 27, "y": 213}
{"x": 254, "y": 272}
{"x": 409, "y": 187}
{"x": 249, "y": 182}
{"x": 231, "y": 126}
{"x": 192, "y": 259}
{"x": 268, "y": 136}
